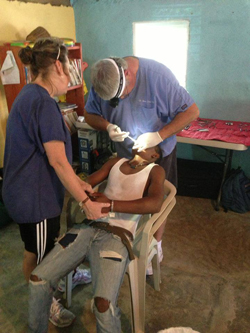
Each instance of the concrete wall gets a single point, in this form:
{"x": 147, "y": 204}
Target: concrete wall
{"x": 218, "y": 57}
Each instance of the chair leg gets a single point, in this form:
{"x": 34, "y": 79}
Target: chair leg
{"x": 141, "y": 278}
{"x": 137, "y": 282}
{"x": 135, "y": 294}
{"x": 133, "y": 285}
{"x": 156, "y": 271}
{"x": 68, "y": 289}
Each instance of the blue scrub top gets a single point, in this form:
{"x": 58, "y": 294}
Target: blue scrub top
{"x": 31, "y": 190}
{"x": 154, "y": 102}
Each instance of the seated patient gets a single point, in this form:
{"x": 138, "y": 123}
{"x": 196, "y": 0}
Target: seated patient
{"x": 134, "y": 187}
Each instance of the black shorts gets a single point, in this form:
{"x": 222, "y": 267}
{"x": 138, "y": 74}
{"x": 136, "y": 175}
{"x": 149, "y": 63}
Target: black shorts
{"x": 39, "y": 238}
{"x": 169, "y": 164}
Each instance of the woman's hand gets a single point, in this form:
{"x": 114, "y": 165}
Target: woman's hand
{"x": 96, "y": 210}
{"x": 85, "y": 186}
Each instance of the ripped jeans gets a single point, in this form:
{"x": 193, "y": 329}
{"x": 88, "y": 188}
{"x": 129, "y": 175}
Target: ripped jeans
{"x": 108, "y": 261}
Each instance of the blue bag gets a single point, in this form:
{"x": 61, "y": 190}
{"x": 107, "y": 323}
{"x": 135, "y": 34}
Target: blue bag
{"x": 235, "y": 194}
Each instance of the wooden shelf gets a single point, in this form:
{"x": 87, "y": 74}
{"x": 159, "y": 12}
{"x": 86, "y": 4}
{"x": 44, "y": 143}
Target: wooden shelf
{"x": 75, "y": 87}
{"x": 75, "y": 94}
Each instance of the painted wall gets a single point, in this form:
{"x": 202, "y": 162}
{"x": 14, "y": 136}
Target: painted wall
{"x": 218, "y": 57}
{"x": 18, "y": 21}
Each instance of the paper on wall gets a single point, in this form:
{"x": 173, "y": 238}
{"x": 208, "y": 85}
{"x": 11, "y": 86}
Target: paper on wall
{"x": 9, "y": 72}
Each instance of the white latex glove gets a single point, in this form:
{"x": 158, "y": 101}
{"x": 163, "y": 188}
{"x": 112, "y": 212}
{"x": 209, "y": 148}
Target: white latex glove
{"x": 147, "y": 140}
{"x": 116, "y": 134}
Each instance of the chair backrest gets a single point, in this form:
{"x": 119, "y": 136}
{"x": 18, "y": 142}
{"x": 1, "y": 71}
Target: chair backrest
{"x": 148, "y": 224}
{"x": 158, "y": 218}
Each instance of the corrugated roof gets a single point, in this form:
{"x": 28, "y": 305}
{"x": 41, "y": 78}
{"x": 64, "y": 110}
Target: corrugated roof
{"x": 52, "y": 2}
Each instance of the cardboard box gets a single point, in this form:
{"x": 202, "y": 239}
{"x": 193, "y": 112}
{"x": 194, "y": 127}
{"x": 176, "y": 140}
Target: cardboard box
{"x": 81, "y": 125}
{"x": 86, "y": 133}
{"x": 86, "y": 167}
{"x": 85, "y": 155}
{"x": 87, "y": 139}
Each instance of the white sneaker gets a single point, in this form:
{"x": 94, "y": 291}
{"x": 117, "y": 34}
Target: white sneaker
{"x": 59, "y": 316}
{"x": 149, "y": 270}
{"x": 160, "y": 253}
{"x": 81, "y": 276}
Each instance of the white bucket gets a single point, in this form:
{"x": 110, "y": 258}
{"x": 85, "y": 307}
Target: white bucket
{"x": 178, "y": 330}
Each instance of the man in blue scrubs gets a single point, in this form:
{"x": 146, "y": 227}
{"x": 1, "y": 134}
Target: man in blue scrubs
{"x": 142, "y": 99}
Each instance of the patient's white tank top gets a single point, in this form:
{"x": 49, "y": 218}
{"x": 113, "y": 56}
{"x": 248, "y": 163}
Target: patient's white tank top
{"x": 126, "y": 187}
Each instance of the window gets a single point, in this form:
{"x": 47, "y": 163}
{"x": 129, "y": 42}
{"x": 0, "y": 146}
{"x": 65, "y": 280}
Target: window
{"x": 165, "y": 42}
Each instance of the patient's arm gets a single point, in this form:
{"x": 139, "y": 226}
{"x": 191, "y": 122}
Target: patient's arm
{"x": 152, "y": 201}
{"x": 102, "y": 174}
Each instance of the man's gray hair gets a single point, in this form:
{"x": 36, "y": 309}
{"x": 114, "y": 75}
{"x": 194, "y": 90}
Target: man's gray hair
{"x": 105, "y": 77}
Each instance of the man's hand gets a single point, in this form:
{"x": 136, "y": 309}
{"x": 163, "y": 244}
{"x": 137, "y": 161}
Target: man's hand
{"x": 95, "y": 210}
{"x": 147, "y": 140}
{"x": 100, "y": 197}
{"x": 116, "y": 134}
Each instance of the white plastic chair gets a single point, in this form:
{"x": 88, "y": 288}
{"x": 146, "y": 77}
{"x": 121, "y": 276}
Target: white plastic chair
{"x": 144, "y": 248}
